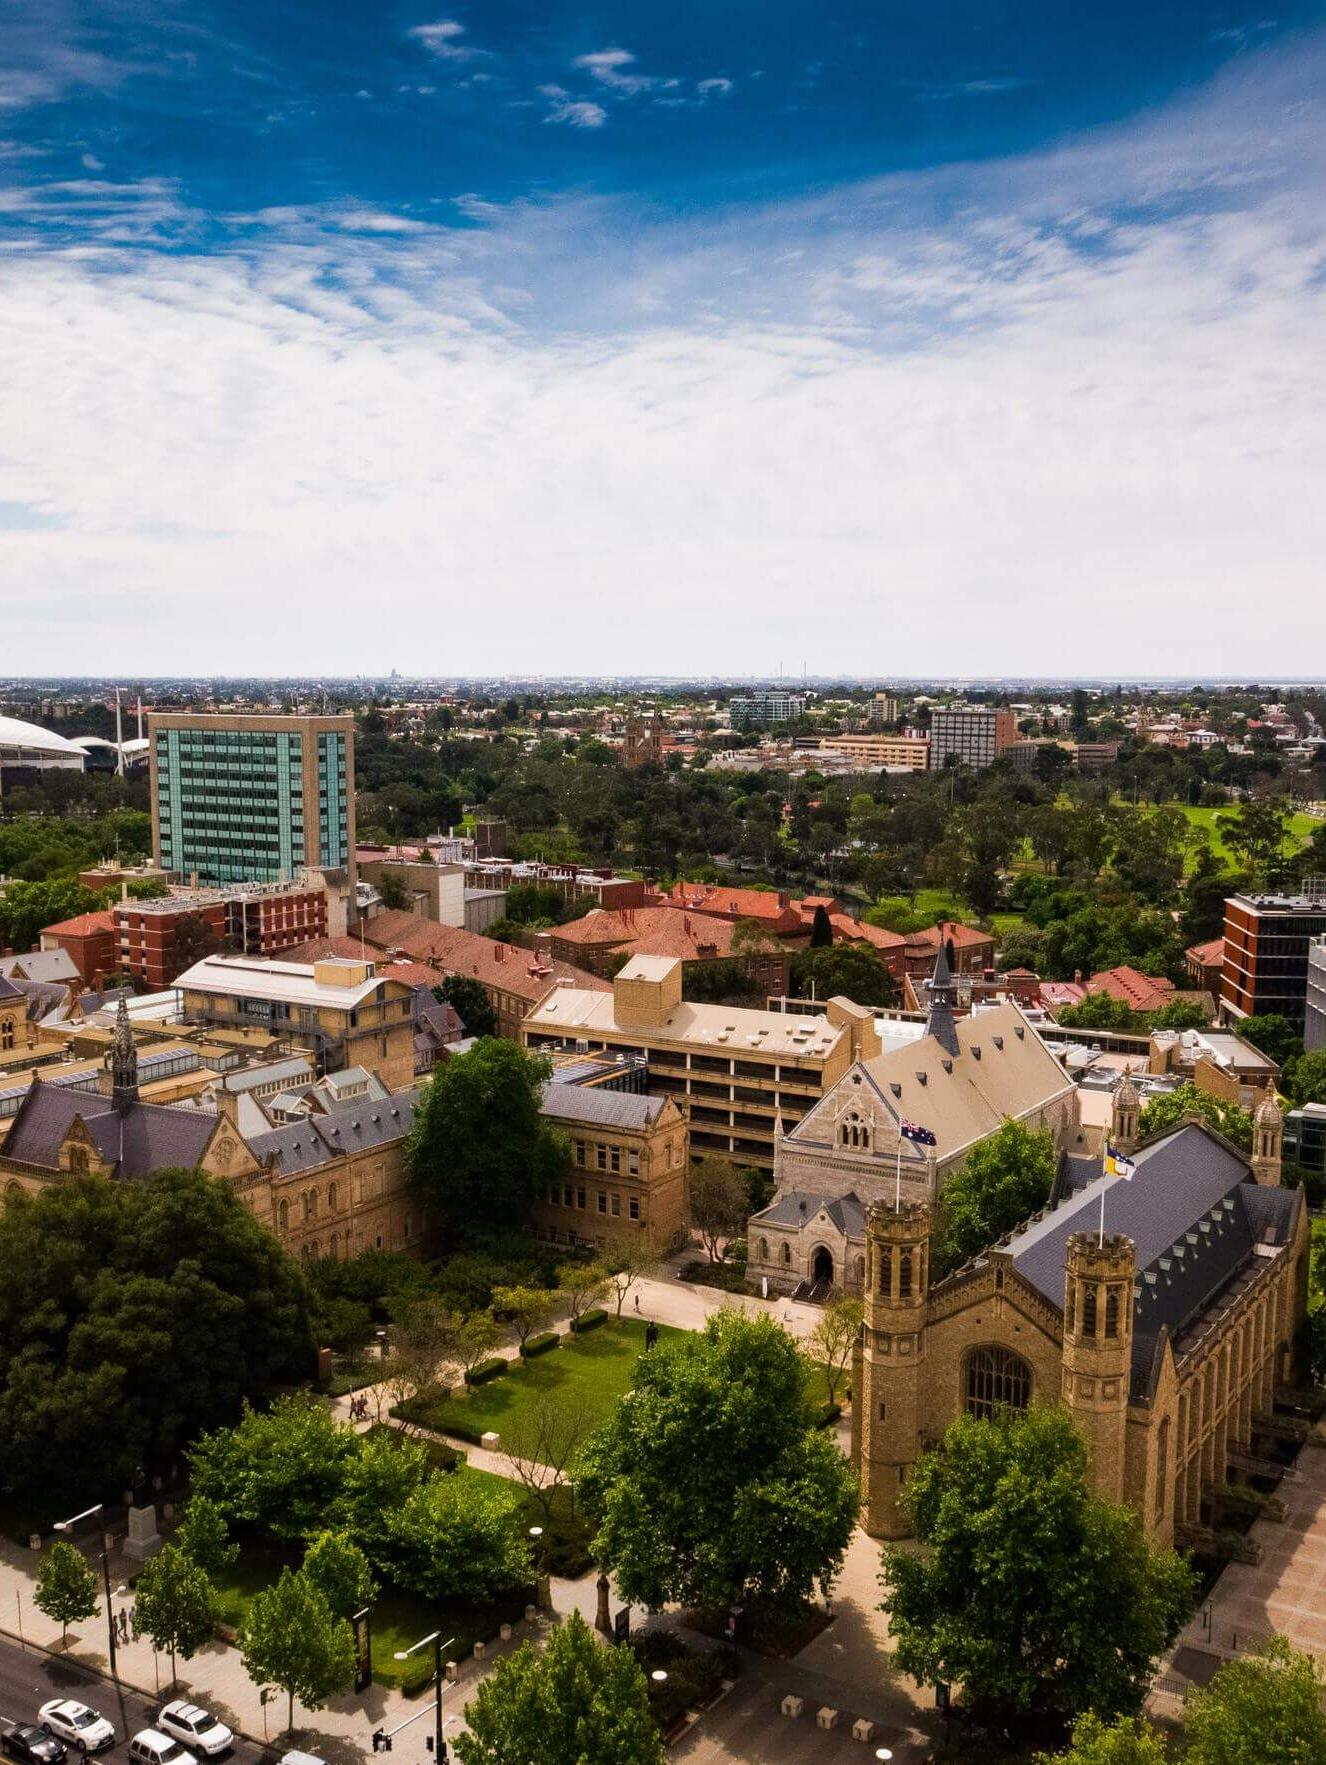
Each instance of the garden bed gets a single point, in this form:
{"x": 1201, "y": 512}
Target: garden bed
{"x": 780, "y": 1638}
{"x": 695, "y": 1677}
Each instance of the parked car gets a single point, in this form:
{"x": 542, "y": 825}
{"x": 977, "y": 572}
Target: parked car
{"x": 200, "y": 1731}
{"x": 85, "y": 1731}
{"x": 33, "y": 1746}
{"x": 150, "y": 1747}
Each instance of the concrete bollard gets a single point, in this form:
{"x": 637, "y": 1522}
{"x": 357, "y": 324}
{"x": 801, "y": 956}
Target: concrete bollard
{"x": 505, "y": 1633}
{"x": 490, "y": 1441}
{"x": 793, "y": 1706}
{"x": 826, "y": 1718}
{"x": 531, "y": 1613}
{"x": 480, "y": 1650}
{"x": 453, "y": 1671}
{"x": 863, "y": 1729}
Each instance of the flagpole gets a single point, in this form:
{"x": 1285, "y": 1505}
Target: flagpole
{"x": 897, "y": 1178}
{"x": 1103, "y": 1187}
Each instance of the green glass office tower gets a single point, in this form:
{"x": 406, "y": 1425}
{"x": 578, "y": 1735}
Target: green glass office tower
{"x": 251, "y": 799}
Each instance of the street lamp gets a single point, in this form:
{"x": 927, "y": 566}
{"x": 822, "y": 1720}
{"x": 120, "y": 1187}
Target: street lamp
{"x": 68, "y": 1526}
{"x": 435, "y": 1637}
{"x": 883, "y": 1752}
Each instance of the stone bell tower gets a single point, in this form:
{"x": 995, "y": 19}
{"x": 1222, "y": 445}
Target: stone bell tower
{"x": 1127, "y": 1114}
{"x": 890, "y": 1370}
{"x": 1098, "y": 1350}
{"x": 1268, "y": 1139}
{"x": 124, "y": 1061}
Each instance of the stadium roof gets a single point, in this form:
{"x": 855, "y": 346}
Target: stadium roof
{"x": 34, "y": 739}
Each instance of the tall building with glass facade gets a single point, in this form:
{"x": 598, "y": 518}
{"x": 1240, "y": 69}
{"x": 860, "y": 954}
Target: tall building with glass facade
{"x": 251, "y": 799}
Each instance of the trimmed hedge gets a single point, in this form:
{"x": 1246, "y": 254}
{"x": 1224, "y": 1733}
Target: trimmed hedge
{"x": 590, "y": 1320}
{"x": 486, "y": 1370}
{"x": 473, "y": 1432}
{"x": 538, "y": 1345}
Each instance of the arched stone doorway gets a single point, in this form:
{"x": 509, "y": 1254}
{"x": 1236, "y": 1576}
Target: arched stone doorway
{"x": 821, "y": 1265}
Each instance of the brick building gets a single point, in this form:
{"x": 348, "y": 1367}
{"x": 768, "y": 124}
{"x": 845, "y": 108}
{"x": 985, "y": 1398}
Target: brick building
{"x": 90, "y": 942}
{"x": 1267, "y": 940}
{"x": 628, "y": 1168}
{"x": 601, "y": 941}
{"x": 970, "y": 735}
{"x": 155, "y": 940}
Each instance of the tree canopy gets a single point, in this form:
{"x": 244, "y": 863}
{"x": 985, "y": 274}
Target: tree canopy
{"x": 1003, "y": 1180}
{"x": 1266, "y": 1707}
{"x": 1170, "y": 1108}
{"x": 481, "y": 1150}
{"x": 706, "y": 1487}
{"x": 1033, "y": 1593}
{"x": 291, "y": 1638}
{"x": 131, "y": 1316}
{"x": 579, "y": 1702}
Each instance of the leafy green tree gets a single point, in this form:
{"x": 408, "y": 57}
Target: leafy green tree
{"x": 1098, "y": 1011}
{"x": 578, "y": 1702}
{"x": 830, "y": 1344}
{"x": 1167, "y": 1110}
{"x": 1004, "y": 1179}
{"x": 707, "y": 1488}
{"x": 334, "y": 1563}
{"x": 455, "y": 1538}
{"x": 1309, "y": 1081}
{"x": 67, "y": 1587}
{"x": 1129, "y": 1740}
{"x": 470, "y": 999}
{"x": 850, "y": 971}
{"x": 1266, "y": 1707}
{"x": 1257, "y": 831}
{"x": 583, "y": 1285}
{"x": 280, "y": 1471}
{"x": 1274, "y": 1035}
{"x": 203, "y": 1536}
{"x": 132, "y": 1315}
{"x": 1204, "y": 896}
{"x": 175, "y": 1605}
{"x": 291, "y": 1638}
{"x": 1180, "y": 1014}
{"x": 719, "y": 1201}
{"x": 529, "y": 1308}
{"x": 1033, "y": 1594}
{"x": 480, "y": 1150}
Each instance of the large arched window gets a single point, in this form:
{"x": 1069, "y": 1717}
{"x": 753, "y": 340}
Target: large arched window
{"x": 996, "y": 1376}
{"x": 763, "y": 1251}
{"x": 785, "y": 1254}
{"x": 283, "y": 1216}
{"x": 1162, "y": 1468}
{"x": 1112, "y": 1313}
{"x": 6, "y": 1032}
{"x": 855, "y": 1132}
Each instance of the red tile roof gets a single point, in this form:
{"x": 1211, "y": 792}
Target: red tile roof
{"x": 770, "y": 909}
{"x": 1143, "y": 992}
{"x": 935, "y": 935}
{"x": 856, "y": 931}
{"x": 1207, "y": 954}
{"x": 83, "y": 925}
{"x": 651, "y": 931}
{"x": 455, "y": 951}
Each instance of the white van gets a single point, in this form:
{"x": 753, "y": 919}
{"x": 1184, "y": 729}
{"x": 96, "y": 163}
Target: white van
{"x": 151, "y": 1747}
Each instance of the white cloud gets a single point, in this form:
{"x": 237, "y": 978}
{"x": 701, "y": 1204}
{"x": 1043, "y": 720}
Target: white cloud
{"x": 609, "y": 66}
{"x": 366, "y": 220}
{"x": 442, "y": 39}
{"x": 581, "y": 113}
{"x": 1077, "y": 424}
{"x": 720, "y": 86}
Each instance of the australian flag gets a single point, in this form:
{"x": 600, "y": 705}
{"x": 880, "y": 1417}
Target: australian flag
{"x": 912, "y": 1131}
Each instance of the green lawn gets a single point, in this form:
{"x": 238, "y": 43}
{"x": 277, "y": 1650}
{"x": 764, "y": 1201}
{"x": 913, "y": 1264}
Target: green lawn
{"x": 597, "y": 1369}
{"x": 399, "y": 1618}
{"x": 1301, "y": 829}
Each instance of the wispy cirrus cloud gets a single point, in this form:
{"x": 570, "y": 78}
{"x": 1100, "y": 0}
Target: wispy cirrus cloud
{"x": 611, "y": 68}
{"x": 580, "y": 113}
{"x": 443, "y": 38}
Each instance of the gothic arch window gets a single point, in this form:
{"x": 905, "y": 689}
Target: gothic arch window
{"x": 334, "y": 1246}
{"x": 785, "y": 1254}
{"x": 1112, "y": 1313}
{"x": 855, "y": 1133}
{"x": 1162, "y": 1468}
{"x": 1089, "y": 1312}
{"x": 331, "y": 1198}
{"x": 886, "y": 1272}
{"x": 861, "y": 1270}
{"x": 996, "y": 1376}
{"x": 311, "y": 1204}
{"x": 6, "y": 1032}
{"x": 762, "y": 1250}
{"x": 283, "y": 1216}
{"x": 78, "y": 1158}
{"x": 904, "y": 1274}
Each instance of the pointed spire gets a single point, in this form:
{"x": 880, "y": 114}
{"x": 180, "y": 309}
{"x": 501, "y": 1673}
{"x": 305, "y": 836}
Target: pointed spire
{"x": 939, "y": 1021}
{"x": 124, "y": 1060}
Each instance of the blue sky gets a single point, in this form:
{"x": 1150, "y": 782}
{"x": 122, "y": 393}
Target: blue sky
{"x": 878, "y": 337}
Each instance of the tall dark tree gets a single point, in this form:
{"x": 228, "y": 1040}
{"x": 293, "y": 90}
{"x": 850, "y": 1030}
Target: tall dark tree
{"x": 471, "y": 1002}
{"x": 131, "y": 1315}
{"x": 821, "y": 931}
{"x": 481, "y": 1149}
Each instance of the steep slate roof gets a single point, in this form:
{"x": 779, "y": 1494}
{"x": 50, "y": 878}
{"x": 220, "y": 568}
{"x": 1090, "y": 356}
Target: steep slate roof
{"x": 149, "y": 1136}
{"x": 40, "y": 965}
{"x": 1193, "y": 1210}
{"x": 608, "y": 1109}
{"x": 961, "y": 1101}
{"x": 355, "y": 1127}
{"x": 795, "y": 1207}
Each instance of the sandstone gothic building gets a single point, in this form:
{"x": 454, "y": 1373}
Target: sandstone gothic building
{"x": 1165, "y": 1335}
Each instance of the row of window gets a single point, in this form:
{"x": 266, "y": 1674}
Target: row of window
{"x": 608, "y": 1158}
{"x": 609, "y": 1201}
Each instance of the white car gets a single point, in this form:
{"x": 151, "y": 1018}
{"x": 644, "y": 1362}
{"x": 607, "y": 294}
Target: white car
{"x": 74, "y": 1722}
{"x": 200, "y": 1731}
{"x": 150, "y": 1748}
